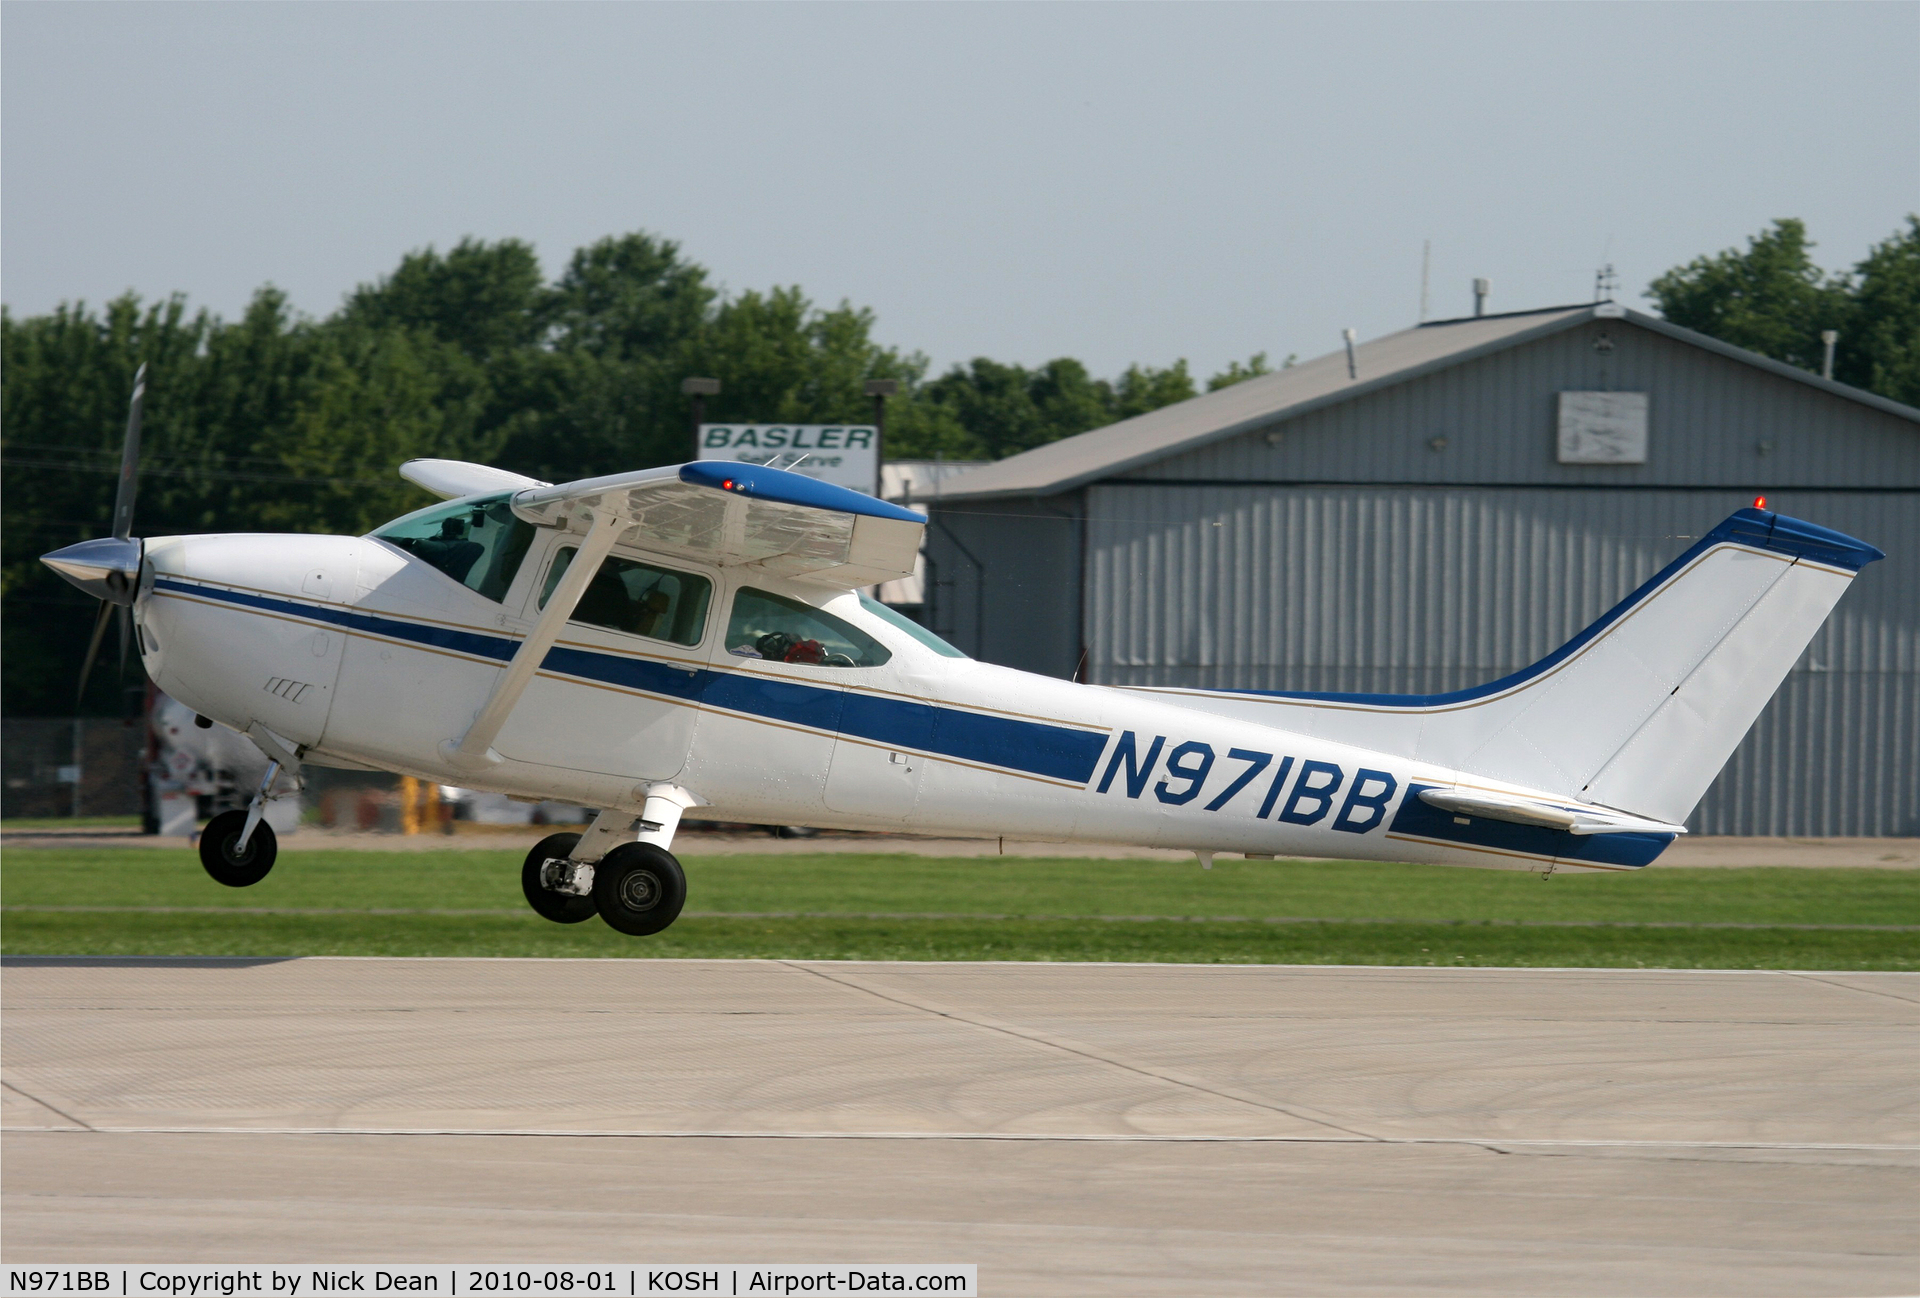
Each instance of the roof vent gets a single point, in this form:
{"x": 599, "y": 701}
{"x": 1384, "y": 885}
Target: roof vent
{"x": 1481, "y": 287}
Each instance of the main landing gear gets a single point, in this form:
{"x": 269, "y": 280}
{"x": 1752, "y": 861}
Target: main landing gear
{"x": 636, "y": 887}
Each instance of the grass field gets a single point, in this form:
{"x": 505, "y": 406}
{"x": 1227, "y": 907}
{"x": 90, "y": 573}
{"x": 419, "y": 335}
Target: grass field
{"x": 467, "y": 902}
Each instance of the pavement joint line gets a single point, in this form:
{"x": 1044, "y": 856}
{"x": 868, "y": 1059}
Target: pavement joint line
{"x": 28, "y": 959}
{"x": 1848, "y": 987}
{"x": 1128, "y": 1138}
{"x": 49, "y": 1107}
{"x": 522, "y": 913}
{"x": 1072, "y": 1047}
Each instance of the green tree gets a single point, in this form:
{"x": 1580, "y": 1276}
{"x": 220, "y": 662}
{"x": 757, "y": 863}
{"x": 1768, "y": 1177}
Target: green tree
{"x": 1879, "y": 345}
{"x": 366, "y": 401}
{"x": 630, "y": 296}
{"x": 1237, "y": 373}
{"x": 1770, "y": 298}
{"x": 998, "y": 410}
{"x": 1143, "y": 388}
{"x": 483, "y": 298}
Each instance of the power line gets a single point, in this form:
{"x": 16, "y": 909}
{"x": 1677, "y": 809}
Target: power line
{"x": 220, "y": 475}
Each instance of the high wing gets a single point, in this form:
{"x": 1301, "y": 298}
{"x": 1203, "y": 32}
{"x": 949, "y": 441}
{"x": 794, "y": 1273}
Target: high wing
{"x": 746, "y": 515}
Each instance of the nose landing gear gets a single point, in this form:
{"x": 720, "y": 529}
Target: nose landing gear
{"x": 227, "y": 860}
{"x": 238, "y": 847}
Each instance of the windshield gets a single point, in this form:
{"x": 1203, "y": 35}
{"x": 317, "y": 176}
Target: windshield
{"x": 895, "y": 617}
{"x": 478, "y": 543}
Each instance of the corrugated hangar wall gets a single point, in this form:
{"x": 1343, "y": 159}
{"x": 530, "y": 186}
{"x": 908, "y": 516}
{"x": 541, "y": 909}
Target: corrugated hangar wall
{"x": 1343, "y": 550}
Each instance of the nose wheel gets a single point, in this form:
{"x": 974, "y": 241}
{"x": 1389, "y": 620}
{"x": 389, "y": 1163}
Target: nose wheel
{"x": 226, "y": 860}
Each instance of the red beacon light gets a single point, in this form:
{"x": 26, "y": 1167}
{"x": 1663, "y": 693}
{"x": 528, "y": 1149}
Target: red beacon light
{"x": 1759, "y": 502}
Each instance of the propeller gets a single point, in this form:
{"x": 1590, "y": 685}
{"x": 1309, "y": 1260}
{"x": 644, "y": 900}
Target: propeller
{"x": 108, "y": 568}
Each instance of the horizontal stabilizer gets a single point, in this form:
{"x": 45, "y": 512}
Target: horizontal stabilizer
{"x": 1518, "y": 810}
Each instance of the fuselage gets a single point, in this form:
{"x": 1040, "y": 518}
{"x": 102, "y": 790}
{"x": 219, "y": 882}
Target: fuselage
{"x": 358, "y": 652}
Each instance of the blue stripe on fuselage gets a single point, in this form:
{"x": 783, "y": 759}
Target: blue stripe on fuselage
{"x": 476, "y": 643}
{"x": 1035, "y": 747}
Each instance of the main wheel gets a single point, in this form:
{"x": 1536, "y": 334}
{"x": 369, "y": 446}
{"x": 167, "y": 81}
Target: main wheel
{"x": 560, "y": 907}
{"x": 639, "y": 888}
{"x": 220, "y": 850}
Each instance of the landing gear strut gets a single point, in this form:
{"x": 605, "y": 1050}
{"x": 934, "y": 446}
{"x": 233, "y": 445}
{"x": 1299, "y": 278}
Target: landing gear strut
{"x": 238, "y": 847}
{"x": 637, "y": 887}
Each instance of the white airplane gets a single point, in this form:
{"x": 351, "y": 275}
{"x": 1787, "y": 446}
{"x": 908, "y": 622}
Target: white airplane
{"x": 695, "y": 636}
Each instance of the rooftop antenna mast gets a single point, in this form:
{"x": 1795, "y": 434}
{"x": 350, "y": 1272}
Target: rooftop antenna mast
{"x": 1605, "y": 282}
{"x": 1426, "y": 265}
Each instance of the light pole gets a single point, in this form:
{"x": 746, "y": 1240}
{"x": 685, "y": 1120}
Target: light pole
{"x": 699, "y": 390}
{"x": 880, "y": 390}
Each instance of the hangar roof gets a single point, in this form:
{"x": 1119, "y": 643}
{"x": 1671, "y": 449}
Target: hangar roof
{"x": 1102, "y": 452}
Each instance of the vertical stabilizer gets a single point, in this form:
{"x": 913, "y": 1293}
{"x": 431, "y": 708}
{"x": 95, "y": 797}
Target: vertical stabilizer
{"x": 1639, "y": 711}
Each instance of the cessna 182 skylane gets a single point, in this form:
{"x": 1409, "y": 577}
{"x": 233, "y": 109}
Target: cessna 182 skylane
{"x": 695, "y": 636}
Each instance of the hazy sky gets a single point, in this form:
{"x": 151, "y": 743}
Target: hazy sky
{"x": 1022, "y": 181}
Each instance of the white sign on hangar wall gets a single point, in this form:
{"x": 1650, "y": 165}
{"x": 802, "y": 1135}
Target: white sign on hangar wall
{"x": 1603, "y": 428}
{"x": 843, "y": 454}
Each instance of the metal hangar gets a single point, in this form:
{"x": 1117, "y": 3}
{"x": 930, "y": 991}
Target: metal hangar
{"x": 1444, "y": 505}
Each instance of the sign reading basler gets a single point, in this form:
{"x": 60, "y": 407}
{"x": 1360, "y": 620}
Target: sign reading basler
{"x": 843, "y": 454}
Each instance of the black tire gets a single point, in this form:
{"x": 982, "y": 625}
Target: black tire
{"x": 560, "y": 907}
{"x": 228, "y": 865}
{"x": 639, "y": 888}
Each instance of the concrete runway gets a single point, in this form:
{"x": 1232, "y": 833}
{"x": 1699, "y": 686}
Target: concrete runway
{"x": 1072, "y": 1129}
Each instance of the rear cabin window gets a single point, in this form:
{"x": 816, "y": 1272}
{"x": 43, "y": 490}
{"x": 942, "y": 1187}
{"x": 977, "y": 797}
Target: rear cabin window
{"x": 782, "y": 630}
{"x": 478, "y": 543}
{"x": 638, "y": 598}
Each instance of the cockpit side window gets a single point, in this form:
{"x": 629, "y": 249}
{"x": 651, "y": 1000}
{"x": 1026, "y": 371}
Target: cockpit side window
{"x": 638, "y": 598}
{"x": 478, "y": 543}
{"x": 774, "y": 627}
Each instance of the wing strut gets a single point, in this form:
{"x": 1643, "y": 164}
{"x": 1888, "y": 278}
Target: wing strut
{"x": 475, "y": 749}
